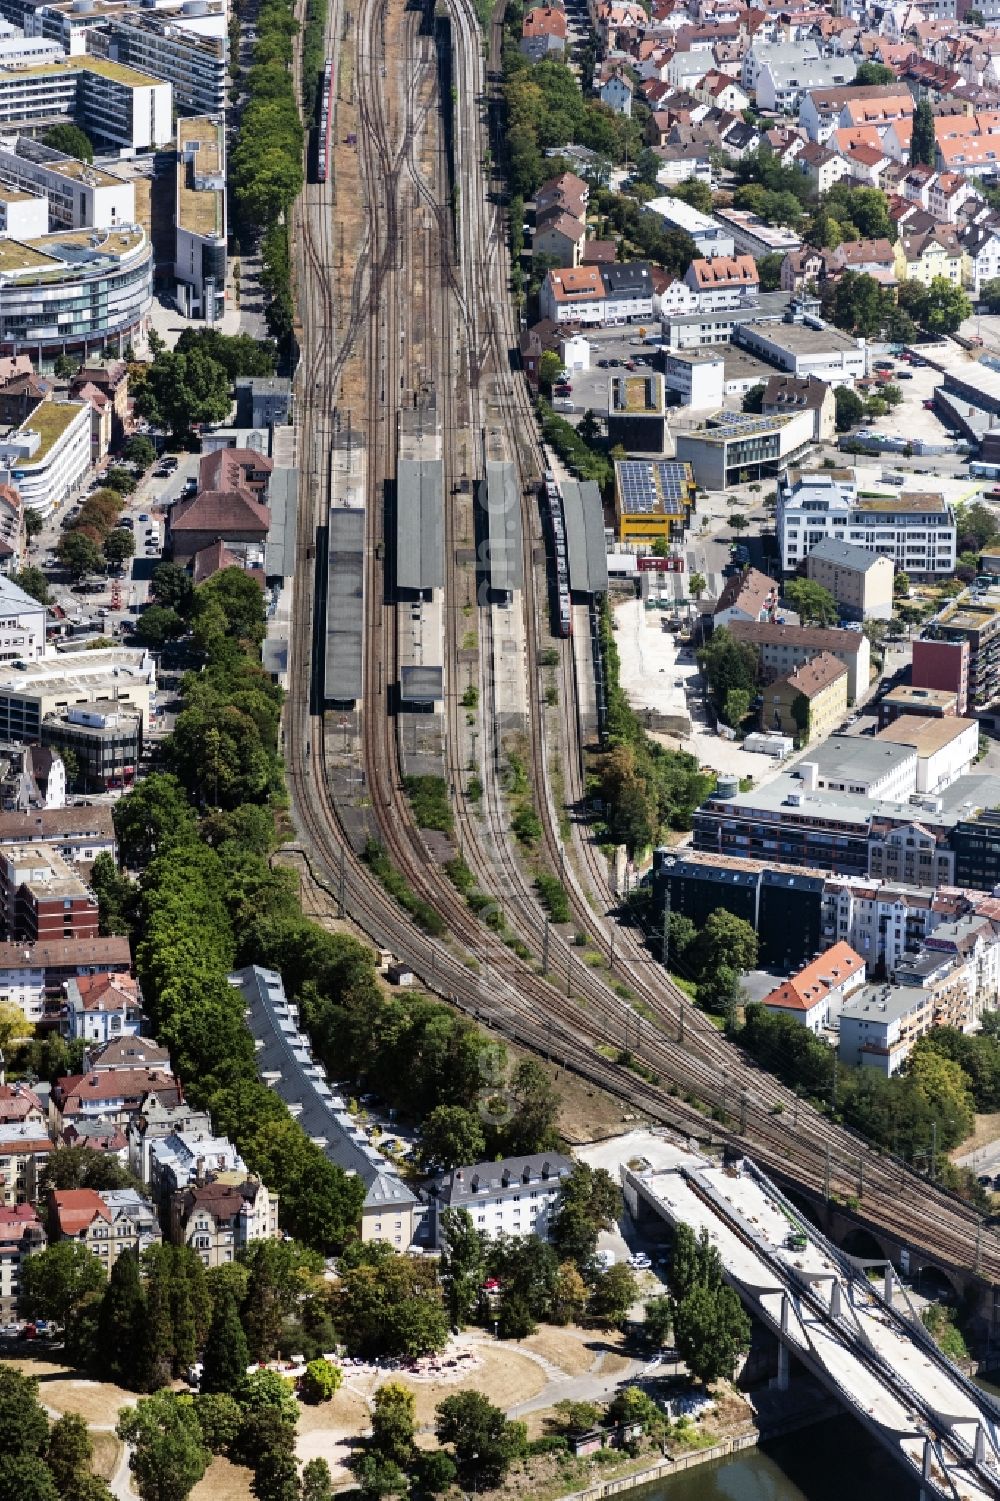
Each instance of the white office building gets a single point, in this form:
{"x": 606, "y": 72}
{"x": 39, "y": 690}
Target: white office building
{"x": 200, "y": 217}
{"x": 46, "y": 458}
{"x": 709, "y": 236}
{"x": 79, "y": 195}
{"x": 22, "y": 624}
{"x": 196, "y": 66}
{"x": 119, "y": 107}
{"x": 916, "y": 530}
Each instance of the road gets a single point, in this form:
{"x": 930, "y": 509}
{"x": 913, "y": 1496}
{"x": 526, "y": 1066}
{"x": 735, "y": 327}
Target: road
{"x": 619, "y": 994}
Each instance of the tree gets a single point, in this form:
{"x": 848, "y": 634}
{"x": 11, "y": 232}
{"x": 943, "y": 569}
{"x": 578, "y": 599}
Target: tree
{"x": 436, "y": 1471}
{"x": 658, "y": 1322}
{"x": 736, "y": 707}
{"x": 728, "y": 664}
{"x": 451, "y": 1136}
{"x": 944, "y": 1084}
{"x": 974, "y": 18}
{"x": 157, "y": 625}
{"x": 59, "y": 1278}
{"x": 219, "y": 1418}
{"x": 33, "y": 582}
{"x": 121, "y": 481}
{"x": 589, "y": 1203}
{"x": 171, "y": 587}
{"x": 873, "y": 73}
{"x": 378, "y": 1477}
{"x": 394, "y": 1423}
{"x": 122, "y": 1322}
{"x": 614, "y": 1293}
{"x": 769, "y": 272}
{"x": 813, "y": 604}
{"x": 79, "y": 554}
{"x": 69, "y": 1453}
{"x": 83, "y": 1167}
{"x": 738, "y": 523}
{"x": 989, "y": 293}
{"x": 923, "y": 145}
{"x": 947, "y": 305}
{"x": 321, "y": 1381}
{"x": 150, "y": 818}
{"x": 119, "y": 546}
{"x": 631, "y": 1404}
{"x": 226, "y": 1354}
{"x": 697, "y": 584}
{"x": 168, "y": 1453}
{"x": 25, "y": 1477}
{"x": 24, "y": 1428}
{"x": 317, "y": 1482}
{"x": 14, "y": 1026}
{"x": 180, "y": 390}
{"x": 849, "y": 408}
{"x": 575, "y": 1417}
{"x": 725, "y": 940}
{"x": 901, "y": 585}
{"x": 711, "y": 1331}
{"x": 753, "y": 400}
{"x": 33, "y": 523}
{"x": 238, "y": 354}
{"x": 139, "y": 449}
{"x": 461, "y": 1265}
{"x": 70, "y": 140}
{"x": 549, "y": 367}
{"x": 485, "y": 1443}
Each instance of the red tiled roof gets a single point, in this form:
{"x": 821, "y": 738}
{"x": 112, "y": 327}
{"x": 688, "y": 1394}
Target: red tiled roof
{"x": 803, "y": 991}
{"x": 74, "y": 1210}
{"x": 17, "y": 1102}
{"x": 107, "y": 992}
{"x": 221, "y": 511}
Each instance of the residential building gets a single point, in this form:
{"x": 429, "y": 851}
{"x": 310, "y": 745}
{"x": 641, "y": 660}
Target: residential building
{"x": 31, "y": 777}
{"x": 616, "y": 92}
{"x": 822, "y": 111}
{"x": 543, "y": 33}
{"x": 723, "y": 282}
{"x": 782, "y": 80}
{"x": 805, "y": 348}
{"x": 709, "y": 236}
{"x": 185, "y": 1158}
{"x": 802, "y": 268}
{"x": 683, "y": 164}
{"x": 569, "y": 192}
{"x": 97, "y": 1136}
{"x": 730, "y": 447}
{"x": 781, "y": 648}
{"x": 42, "y": 897}
{"x": 823, "y": 167}
{"x": 111, "y": 379}
{"x": 976, "y": 842}
{"x": 749, "y": 595}
{"x": 156, "y": 1119}
{"x": 126, "y": 1052}
{"x": 78, "y": 194}
{"x": 924, "y": 255}
{"x": 879, "y": 1027}
{"x": 973, "y": 619}
{"x": 809, "y": 702}
{"x": 628, "y": 291}
{"x": 515, "y": 1196}
{"x": 653, "y": 501}
{"x": 31, "y": 972}
{"x": 219, "y": 1218}
{"x": 21, "y": 1235}
{"x": 25, "y": 1147}
{"x": 815, "y": 995}
{"x": 927, "y": 703}
{"x": 194, "y": 64}
{"x": 79, "y": 833}
{"x": 200, "y": 217}
{"x": 915, "y": 530}
{"x": 100, "y": 1008}
{"x": 981, "y": 244}
{"x": 946, "y": 748}
{"x": 107, "y": 1223}
{"x": 637, "y": 413}
{"x": 860, "y": 581}
{"x": 18, "y": 1104}
{"x": 558, "y": 234}
{"x": 390, "y": 1212}
{"x": 22, "y": 624}
{"x": 48, "y": 455}
{"x": 263, "y": 401}
{"x": 793, "y": 393}
{"x": 113, "y": 1094}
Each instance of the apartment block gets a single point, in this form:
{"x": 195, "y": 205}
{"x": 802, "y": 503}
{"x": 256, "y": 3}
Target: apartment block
{"x": 79, "y": 195}
{"x": 810, "y": 702}
{"x": 814, "y": 996}
{"x": 195, "y": 66}
{"x": 782, "y": 648}
{"x": 915, "y": 530}
{"x": 42, "y": 898}
{"x": 972, "y": 620}
{"x": 108, "y": 1222}
{"x": 860, "y": 581}
{"x": 223, "y": 1216}
{"x": 22, "y": 1234}
{"x": 25, "y": 1147}
{"x": 516, "y": 1196}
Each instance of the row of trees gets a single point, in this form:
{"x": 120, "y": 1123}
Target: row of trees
{"x": 192, "y": 383}
{"x": 39, "y": 1462}
{"x": 645, "y": 788}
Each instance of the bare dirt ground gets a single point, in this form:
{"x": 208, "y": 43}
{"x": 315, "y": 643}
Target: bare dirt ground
{"x": 61, "y": 1390}
{"x": 107, "y": 1452}
{"x": 504, "y": 1376}
{"x": 984, "y": 1133}
{"x": 566, "y": 1348}
{"x": 331, "y": 1431}
{"x": 223, "y": 1481}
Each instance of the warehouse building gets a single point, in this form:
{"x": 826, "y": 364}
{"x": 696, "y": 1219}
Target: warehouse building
{"x": 807, "y": 348}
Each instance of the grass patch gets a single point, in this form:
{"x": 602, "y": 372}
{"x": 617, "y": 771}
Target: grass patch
{"x": 553, "y": 897}
{"x": 474, "y": 790}
{"x": 429, "y": 800}
{"x": 381, "y": 867}
{"x": 940, "y": 1324}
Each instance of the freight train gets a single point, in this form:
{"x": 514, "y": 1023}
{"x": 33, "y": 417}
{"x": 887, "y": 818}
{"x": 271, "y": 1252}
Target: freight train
{"x": 324, "y": 139}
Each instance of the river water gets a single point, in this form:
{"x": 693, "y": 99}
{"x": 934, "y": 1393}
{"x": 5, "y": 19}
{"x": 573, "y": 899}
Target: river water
{"x": 832, "y": 1461}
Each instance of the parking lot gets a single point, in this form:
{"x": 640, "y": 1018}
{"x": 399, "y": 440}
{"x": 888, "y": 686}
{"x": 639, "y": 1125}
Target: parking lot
{"x": 617, "y": 348}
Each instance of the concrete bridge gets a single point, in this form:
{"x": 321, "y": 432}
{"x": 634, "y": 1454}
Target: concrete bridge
{"x": 864, "y": 1343}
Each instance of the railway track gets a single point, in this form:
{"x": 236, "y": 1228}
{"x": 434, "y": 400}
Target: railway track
{"x": 473, "y": 968}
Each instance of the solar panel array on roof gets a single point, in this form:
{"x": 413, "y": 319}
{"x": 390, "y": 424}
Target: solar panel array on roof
{"x": 737, "y": 424}
{"x": 586, "y": 554}
{"x": 646, "y": 489}
{"x": 500, "y": 503}
{"x": 420, "y": 524}
{"x": 345, "y": 604}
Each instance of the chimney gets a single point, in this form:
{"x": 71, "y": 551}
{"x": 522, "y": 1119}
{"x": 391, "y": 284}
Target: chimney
{"x": 546, "y": 1168}
{"x": 199, "y": 1170}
